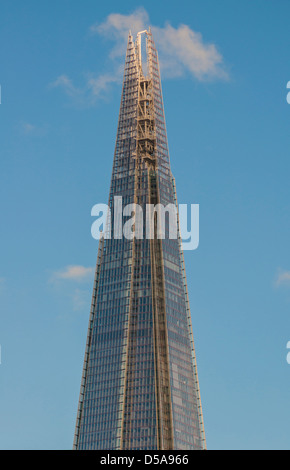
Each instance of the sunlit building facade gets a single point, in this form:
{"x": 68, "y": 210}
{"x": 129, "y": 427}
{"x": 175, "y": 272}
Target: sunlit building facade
{"x": 140, "y": 387}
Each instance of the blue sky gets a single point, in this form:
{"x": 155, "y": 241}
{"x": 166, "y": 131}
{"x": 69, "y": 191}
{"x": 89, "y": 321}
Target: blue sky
{"x": 228, "y": 124}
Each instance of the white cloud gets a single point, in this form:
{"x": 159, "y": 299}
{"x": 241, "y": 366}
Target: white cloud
{"x": 182, "y": 52}
{"x": 283, "y": 278}
{"x": 117, "y": 27}
{"x": 73, "y": 273}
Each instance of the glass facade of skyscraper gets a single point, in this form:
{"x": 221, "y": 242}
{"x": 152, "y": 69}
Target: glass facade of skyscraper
{"x": 139, "y": 387}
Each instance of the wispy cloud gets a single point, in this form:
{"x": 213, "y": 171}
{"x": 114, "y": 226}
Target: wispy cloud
{"x": 29, "y": 129}
{"x": 67, "y": 85}
{"x": 77, "y": 95}
{"x": 100, "y": 84}
{"x": 73, "y": 285}
{"x": 94, "y": 88}
{"x": 80, "y": 299}
{"x": 182, "y": 52}
{"x": 73, "y": 273}
{"x": 283, "y": 278}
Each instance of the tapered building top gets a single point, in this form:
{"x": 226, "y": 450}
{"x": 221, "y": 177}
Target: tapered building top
{"x": 140, "y": 387}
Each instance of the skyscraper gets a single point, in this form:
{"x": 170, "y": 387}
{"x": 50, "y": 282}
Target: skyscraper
{"x": 139, "y": 387}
